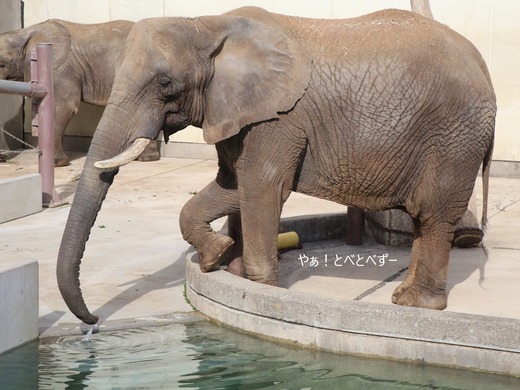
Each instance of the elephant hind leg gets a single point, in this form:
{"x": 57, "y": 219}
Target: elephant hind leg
{"x": 439, "y": 202}
{"x": 425, "y": 283}
{"x": 434, "y": 226}
{"x": 468, "y": 232}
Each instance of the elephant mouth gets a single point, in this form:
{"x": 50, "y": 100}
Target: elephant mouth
{"x": 176, "y": 120}
{"x": 173, "y": 123}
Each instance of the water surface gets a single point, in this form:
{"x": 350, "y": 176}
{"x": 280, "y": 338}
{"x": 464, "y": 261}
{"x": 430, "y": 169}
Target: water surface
{"x": 205, "y": 356}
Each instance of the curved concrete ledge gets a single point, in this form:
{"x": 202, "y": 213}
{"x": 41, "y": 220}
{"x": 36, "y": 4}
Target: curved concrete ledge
{"x": 489, "y": 344}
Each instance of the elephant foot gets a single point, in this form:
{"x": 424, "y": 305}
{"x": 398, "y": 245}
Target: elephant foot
{"x": 269, "y": 282}
{"x": 61, "y": 161}
{"x": 236, "y": 267}
{"x": 270, "y": 278}
{"x": 151, "y": 153}
{"x": 214, "y": 250}
{"x": 465, "y": 238}
{"x": 408, "y": 295}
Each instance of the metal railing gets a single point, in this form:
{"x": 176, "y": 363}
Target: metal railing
{"x": 40, "y": 90}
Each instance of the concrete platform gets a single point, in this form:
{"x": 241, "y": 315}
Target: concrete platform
{"x": 20, "y": 196}
{"x": 134, "y": 267}
{"x": 18, "y": 303}
{"x": 328, "y": 299}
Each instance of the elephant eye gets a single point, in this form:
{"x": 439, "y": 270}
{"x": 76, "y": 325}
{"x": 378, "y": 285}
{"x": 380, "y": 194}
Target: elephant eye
{"x": 169, "y": 89}
{"x": 164, "y": 82}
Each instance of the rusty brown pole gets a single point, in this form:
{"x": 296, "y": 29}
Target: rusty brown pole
{"x": 355, "y": 224}
{"x": 43, "y": 121}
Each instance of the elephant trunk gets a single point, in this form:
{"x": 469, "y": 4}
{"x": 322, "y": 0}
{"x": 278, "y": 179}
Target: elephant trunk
{"x": 92, "y": 189}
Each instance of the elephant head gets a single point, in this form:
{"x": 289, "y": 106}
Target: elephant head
{"x": 16, "y": 46}
{"x": 220, "y": 73}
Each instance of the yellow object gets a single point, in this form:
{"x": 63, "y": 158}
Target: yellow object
{"x": 288, "y": 240}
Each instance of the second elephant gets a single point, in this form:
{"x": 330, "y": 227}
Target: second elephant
{"x": 85, "y": 58}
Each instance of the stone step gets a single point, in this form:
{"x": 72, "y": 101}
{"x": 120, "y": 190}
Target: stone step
{"x": 20, "y": 196}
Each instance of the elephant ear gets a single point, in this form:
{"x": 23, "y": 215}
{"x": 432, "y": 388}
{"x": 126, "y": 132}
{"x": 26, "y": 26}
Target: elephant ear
{"x": 53, "y": 32}
{"x": 259, "y": 72}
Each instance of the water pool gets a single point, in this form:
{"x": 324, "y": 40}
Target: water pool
{"x": 202, "y": 355}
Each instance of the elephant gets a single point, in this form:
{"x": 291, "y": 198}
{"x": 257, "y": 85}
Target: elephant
{"x": 85, "y": 61}
{"x": 390, "y": 110}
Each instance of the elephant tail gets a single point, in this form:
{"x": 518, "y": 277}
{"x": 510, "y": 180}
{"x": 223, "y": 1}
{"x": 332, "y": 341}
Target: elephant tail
{"x": 486, "y": 166}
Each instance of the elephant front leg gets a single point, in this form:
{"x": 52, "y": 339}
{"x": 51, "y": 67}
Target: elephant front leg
{"x": 65, "y": 109}
{"x": 265, "y": 180}
{"x": 425, "y": 283}
{"x": 260, "y": 212}
{"x": 206, "y": 206}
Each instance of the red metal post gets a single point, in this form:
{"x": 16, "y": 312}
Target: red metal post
{"x": 44, "y": 123}
{"x": 355, "y": 222}
{"x": 35, "y": 102}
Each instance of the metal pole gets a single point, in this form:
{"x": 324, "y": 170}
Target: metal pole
{"x": 45, "y": 124}
{"x": 31, "y": 90}
{"x": 355, "y": 222}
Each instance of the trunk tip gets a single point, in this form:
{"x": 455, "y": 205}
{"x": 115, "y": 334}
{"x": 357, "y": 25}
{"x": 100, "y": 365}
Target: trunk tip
{"x": 90, "y": 319}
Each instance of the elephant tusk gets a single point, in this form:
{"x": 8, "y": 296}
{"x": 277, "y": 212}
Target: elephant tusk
{"x": 127, "y": 156}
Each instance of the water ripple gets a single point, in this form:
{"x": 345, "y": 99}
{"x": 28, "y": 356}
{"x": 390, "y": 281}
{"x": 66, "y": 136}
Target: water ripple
{"x": 205, "y": 356}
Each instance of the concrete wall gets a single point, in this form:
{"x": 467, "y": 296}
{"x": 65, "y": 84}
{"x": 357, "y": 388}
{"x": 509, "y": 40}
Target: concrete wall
{"x": 19, "y": 303}
{"x": 10, "y": 106}
{"x": 491, "y": 25}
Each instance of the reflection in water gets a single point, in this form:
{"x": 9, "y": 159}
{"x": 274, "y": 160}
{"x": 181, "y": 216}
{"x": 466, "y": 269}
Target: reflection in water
{"x": 85, "y": 369}
{"x": 19, "y": 368}
{"x": 205, "y": 356}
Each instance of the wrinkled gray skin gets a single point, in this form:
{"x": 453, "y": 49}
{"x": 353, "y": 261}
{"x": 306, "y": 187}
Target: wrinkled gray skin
{"x": 85, "y": 59}
{"x": 359, "y": 111}
{"x": 467, "y": 232}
